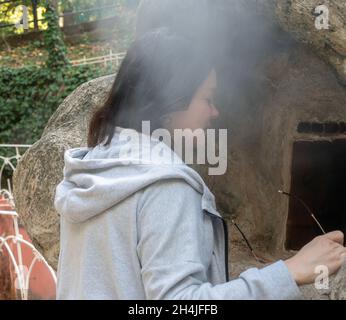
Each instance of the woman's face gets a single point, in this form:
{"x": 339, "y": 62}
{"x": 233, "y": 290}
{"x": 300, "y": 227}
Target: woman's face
{"x": 201, "y": 109}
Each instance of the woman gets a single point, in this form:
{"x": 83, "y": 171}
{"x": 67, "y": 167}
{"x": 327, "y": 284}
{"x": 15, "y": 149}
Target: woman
{"x": 137, "y": 226}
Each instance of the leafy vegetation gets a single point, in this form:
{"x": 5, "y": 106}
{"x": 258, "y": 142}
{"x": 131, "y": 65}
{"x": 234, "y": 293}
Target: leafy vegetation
{"x": 30, "y": 94}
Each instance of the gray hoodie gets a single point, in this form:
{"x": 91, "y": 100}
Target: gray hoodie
{"x": 144, "y": 225}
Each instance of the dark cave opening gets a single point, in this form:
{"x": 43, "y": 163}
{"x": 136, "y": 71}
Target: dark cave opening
{"x": 319, "y": 179}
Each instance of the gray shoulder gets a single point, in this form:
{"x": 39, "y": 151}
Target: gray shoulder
{"x": 173, "y": 189}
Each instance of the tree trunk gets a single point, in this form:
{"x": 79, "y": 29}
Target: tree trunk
{"x": 34, "y": 11}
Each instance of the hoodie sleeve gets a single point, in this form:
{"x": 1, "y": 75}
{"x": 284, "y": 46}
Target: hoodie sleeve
{"x": 171, "y": 233}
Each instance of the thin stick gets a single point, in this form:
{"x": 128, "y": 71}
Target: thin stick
{"x": 305, "y": 206}
{"x": 247, "y": 242}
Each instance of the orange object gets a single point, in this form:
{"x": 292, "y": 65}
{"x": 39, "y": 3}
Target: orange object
{"x": 42, "y": 285}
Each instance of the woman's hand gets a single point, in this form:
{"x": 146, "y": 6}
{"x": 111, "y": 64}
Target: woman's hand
{"x": 326, "y": 250}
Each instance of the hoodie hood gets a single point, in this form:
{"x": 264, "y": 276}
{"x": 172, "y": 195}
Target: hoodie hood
{"x": 96, "y": 179}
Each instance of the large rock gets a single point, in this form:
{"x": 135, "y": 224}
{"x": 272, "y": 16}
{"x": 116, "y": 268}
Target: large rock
{"x": 41, "y": 167}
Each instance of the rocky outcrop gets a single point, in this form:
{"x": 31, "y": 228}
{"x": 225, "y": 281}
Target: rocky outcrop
{"x": 320, "y": 26}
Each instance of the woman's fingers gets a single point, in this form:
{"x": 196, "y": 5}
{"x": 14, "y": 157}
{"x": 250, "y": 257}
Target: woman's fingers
{"x": 343, "y": 257}
{"x": 327, "y": 250}
{"x": 337, "y": 253}
{"x": 336, "y": 236}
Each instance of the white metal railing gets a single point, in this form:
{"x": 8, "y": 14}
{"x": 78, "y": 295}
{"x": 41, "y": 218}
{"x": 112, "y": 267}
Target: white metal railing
{"x": 111, "y": 57}
{"x": 23, "y": 272}
{"x": 10, "y": 162}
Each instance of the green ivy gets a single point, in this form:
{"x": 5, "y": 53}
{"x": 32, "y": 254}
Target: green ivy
{"x": 30, "y": 95}
{"x": 28, "y": 98}
{"x": 54, "y": 44}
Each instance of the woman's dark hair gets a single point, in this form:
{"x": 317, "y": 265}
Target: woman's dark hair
{"x": 160, "y": 74}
